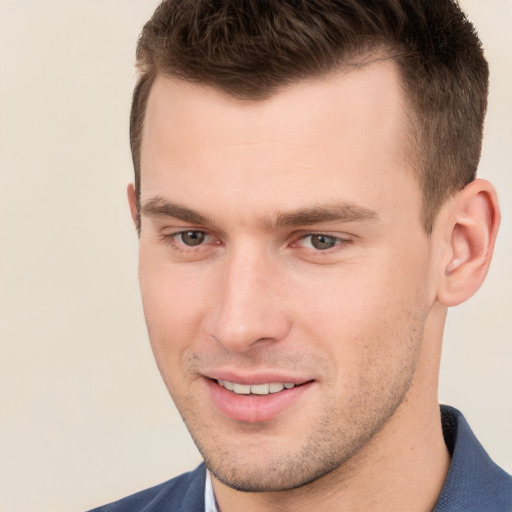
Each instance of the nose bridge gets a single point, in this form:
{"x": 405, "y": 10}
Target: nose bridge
{"x": 247, "y": 309}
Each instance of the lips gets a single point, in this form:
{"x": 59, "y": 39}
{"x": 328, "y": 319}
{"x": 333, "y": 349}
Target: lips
{"x": 257, "y": 401}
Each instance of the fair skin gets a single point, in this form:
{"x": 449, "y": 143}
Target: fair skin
{"x": 281, "y": 243}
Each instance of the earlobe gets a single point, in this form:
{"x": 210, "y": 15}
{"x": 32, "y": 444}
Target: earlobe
{"x": 132, "y": 201}
{"x": 473, "y": 223}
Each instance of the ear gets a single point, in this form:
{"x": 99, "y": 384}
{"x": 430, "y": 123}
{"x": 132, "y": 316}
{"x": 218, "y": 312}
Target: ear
{"x": 471, "y": 226}
{"x": 132, "y": 201}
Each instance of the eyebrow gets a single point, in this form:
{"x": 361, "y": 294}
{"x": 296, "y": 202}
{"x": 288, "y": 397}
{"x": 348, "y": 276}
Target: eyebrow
{"x": 331, "y": 212}
{"x": 335, "y": 212}
{"x": 159, "y": 207}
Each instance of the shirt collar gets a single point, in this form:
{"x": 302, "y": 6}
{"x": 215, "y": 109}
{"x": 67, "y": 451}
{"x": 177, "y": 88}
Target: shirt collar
{"x": 474, "y": 481}
{"x": 210, "y": 505}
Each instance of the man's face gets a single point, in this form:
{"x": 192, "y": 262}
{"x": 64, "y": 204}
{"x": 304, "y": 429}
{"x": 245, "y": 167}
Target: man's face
{"x": 282, "y": 244}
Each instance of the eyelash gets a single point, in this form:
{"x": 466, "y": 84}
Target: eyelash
{"x": 339, "y": 242}
{"x": 172, "y": 240}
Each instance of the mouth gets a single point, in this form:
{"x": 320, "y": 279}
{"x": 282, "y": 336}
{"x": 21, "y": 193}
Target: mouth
{"x": 258, "y": 401}
{"x": 255, "y": 389}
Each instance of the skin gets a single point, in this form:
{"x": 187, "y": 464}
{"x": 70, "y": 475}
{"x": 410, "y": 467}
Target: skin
{"x": 360, "y": 321}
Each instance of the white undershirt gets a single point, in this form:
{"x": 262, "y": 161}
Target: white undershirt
{"x": 210, "y": 505}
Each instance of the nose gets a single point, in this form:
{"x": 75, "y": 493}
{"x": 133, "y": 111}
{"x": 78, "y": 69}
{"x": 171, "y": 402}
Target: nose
{"x": 249, "y": 308}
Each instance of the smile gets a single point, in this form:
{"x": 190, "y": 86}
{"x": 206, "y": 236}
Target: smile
{"x": 255, "y": 389}
{"x": 256, "y": 401}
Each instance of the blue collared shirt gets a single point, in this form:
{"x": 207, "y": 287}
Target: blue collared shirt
{"x": 474, "y": 482}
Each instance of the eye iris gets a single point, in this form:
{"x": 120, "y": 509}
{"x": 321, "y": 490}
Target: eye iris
{"x": 192, "y": 237}
{"x": 323, "y": 242}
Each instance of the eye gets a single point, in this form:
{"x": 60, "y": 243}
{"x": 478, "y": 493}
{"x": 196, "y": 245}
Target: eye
{"x": 190, "y": 244}
{"x": 323, "y": 242}
{"x": 191, "y": 238}
{"x": 320, "y": 242}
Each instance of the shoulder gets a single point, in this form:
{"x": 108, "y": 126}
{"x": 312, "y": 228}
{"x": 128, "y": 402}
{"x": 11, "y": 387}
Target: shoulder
{"x": 474, "y": 482}
{"x": 183, "y": 493}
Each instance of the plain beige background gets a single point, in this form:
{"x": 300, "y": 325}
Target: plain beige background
{"x": 84, "y": 416}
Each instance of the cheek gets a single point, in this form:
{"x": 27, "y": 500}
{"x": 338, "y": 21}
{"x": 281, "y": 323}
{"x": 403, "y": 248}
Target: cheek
{"x": 368, "y": 315}
{"x": 172, "y": 303}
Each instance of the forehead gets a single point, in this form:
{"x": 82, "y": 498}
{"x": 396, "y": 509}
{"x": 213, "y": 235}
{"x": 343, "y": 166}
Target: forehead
{"x": 338, "y": 137}
{"x": 354, "y": 93}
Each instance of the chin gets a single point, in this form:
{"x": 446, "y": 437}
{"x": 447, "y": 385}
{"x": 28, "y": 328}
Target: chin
{"x": 269, "y": 468}
{"x": 269, "y": 479}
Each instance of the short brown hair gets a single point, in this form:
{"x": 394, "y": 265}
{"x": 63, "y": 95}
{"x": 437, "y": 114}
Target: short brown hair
{"x": 252, "y": 48}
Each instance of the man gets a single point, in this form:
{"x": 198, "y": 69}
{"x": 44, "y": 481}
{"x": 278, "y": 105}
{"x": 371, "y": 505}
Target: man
{"x": 307, "y": 207}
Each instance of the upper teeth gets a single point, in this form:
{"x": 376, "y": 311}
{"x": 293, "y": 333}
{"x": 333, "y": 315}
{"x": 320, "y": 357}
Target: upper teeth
{"x": 256, "y": 389}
